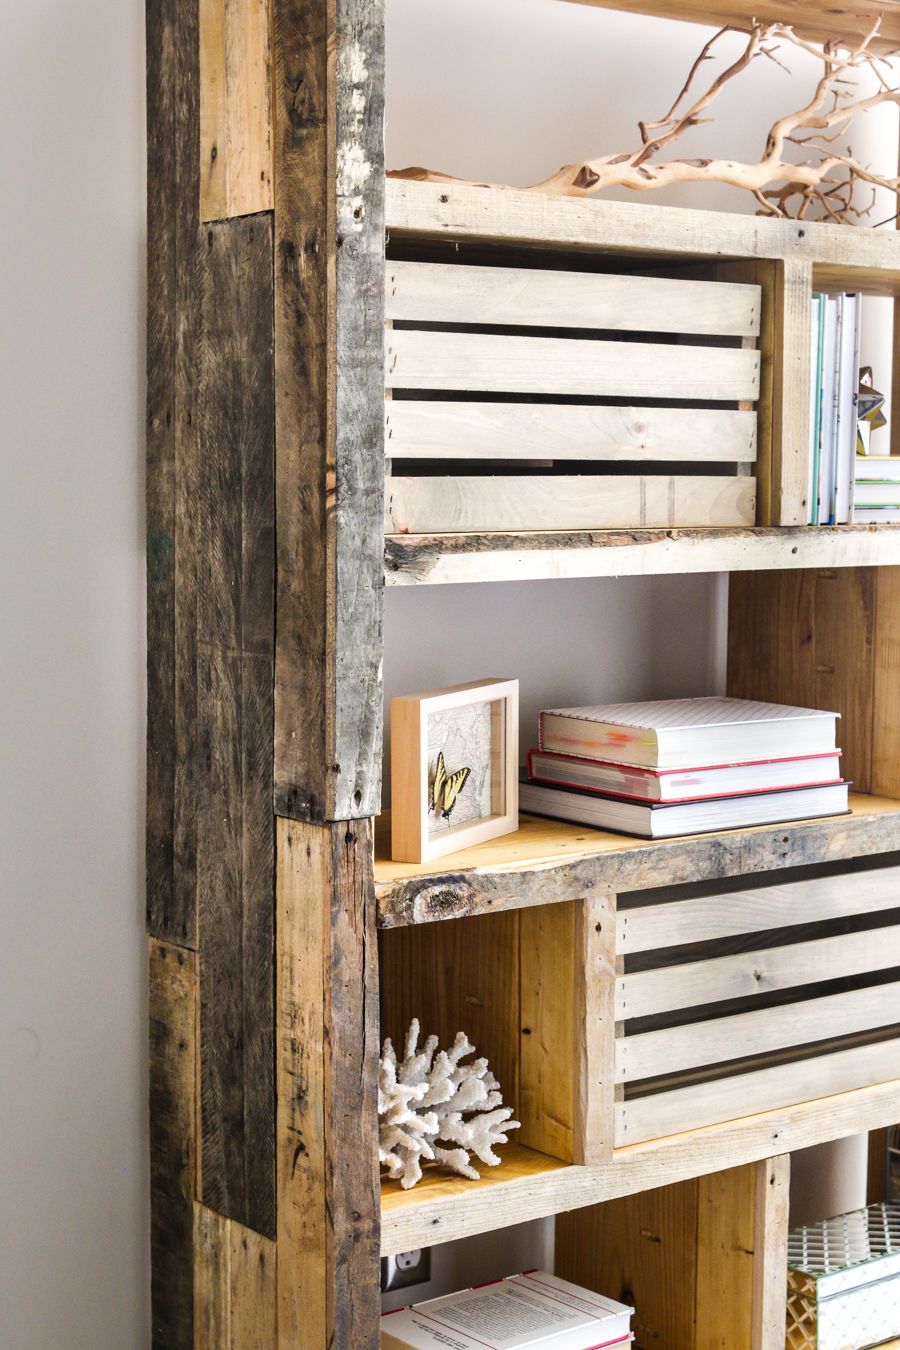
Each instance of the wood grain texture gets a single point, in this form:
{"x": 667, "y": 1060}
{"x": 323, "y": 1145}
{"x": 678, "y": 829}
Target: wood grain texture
{"x": 329, "y": 342}
{"x": 450, "y": 293}
{"x": 494, "y": 363}
{"x": 438, "y": 429}
{"x": 327, "y": 1039}
{"x": 173, "y": 1142}
{"x": 460, "y": 211}
{"x": 551, "y": 1029}
{"x": 453, "y": 558}
{"x": 554, "y": 502}
{"x": 172, "y": 467}
{"x": 533, "y": 1186}
{"x": 547, "y": 861}
{"x": 885, "y": 771}
{"x": 595, "y": 976}
{"x": 771, "y": 1222}
{"x": 726, "y": 1258}
{"x": 845, "y": 20}
{"x": 235, "y": 673}
{"x": 807, "y": 638}
{"x": 234, "y": 1294}
{"x": 235, "y": 108}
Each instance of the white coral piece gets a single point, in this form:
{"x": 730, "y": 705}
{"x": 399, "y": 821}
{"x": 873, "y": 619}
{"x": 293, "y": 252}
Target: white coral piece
{"x": 432, "y": 1108}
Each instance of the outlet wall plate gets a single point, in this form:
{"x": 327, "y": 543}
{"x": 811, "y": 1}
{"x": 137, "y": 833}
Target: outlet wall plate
{"x": 405, "y": 1269}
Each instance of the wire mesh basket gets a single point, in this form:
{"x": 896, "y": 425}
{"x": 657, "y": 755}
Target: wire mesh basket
{"x": 844, "y": 1281}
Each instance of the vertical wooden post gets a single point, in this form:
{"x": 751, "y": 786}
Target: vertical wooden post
{"x": 595, "y": 978}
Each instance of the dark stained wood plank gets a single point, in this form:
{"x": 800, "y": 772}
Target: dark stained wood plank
{"x": 807, "y": 637}
{"x": 173, "y": 236}
{"x": 329, "y": 259}
{"x": 327, "y": 1047}
{"x": 173, "y": 1068}
{"x": 235, "y": 644}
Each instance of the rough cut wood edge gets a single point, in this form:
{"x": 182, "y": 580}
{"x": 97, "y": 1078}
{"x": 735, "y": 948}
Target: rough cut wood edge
{"x": 457, "y": 211}
{"x": 595, "y": 976}
{"x": 436, "y": 429}
{"x": 327, "y": 1039}
{"x": 442, "y": 559}
{"x": 235, "y": 108}
{"x": 632, "y": 865}
{"x": 235, "y": 723}
{"x": 329, "y": 344}
{"x": 173, "y": 1142}
{"x": 770, "y": 1233}
{"x": 481, "y": 1208}
{"x": 173, "y": 131}
{"x": 548, "y": 501}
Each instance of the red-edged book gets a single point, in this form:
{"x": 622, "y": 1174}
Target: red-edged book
{"x": 639, "y": 783}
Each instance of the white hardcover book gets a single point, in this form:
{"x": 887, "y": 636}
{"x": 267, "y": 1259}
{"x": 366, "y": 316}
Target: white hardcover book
{"x": 878, "y": 468}
{"x": 680, "y": 733}
{"x": 826, "y": 434}
{"x": 530, "y": 1310}
{"x": 848, "y": 385}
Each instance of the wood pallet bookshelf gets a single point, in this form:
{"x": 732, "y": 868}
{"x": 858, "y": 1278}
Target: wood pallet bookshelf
{"x": 268, "y": 216}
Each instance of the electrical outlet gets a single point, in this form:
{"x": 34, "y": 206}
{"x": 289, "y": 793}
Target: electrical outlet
{"x": 406, "y": 1268}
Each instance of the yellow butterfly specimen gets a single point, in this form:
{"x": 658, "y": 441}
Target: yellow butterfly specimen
{"x": 446, "y": 787}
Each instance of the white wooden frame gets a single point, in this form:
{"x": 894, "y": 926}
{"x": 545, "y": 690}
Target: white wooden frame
{"x": 410, "y": 838}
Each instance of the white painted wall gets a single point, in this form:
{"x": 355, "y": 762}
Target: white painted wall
{"x": 73, "y": 1210}
{"x": 508, "y": 89}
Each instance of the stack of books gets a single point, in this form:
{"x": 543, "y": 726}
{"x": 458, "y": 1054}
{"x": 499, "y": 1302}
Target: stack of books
{"x": 877, "y": 489}
{"x": 684, "y": 766}
{"x": 834, "y": 397}
{"x": 530, "y": 1310}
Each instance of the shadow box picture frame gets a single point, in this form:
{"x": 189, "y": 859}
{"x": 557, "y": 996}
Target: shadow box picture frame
{"x": 454, "y": 768}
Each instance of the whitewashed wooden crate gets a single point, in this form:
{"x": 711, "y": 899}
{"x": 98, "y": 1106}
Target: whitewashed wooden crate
{"x": 752, "y": 1000}
{"x": 515, "y": 370}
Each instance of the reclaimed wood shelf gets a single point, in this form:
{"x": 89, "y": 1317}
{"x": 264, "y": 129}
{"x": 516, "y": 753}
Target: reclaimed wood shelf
{"x": 414, "y": 560}
{"x": 551, "y": 860}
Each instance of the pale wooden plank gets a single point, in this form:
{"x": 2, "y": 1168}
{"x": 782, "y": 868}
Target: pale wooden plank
{"x": 253, "y": 1309}
{"x": 235, "y": 108}
{"x": 654, "y": 1053}
{"x": 791, "y": 392}
{"x": 732, "y": 913}
{"x": 460, "y": 210}
{"x": 547, "y": 861}
{"x": 492, "y": 362}
{"x": 451, "y": 293}
{"x": 449, "y": 559}
{"x": 545, "y": 501}
{"x": 886, "y": 657}
{"x": 595, "y": 970}
{"x": 212, "y": 1273}
{"x": 437, "y": 429}
{"x": 848, "y": 20}
{"x": 772, "y": 1207}
{"x": 535, "y": 1186}
{"x": 766, "y": 1090}
{"x": 725, "y": 1259}
{"x": 551, "y": 1028}
{"x": 756, "y": 972}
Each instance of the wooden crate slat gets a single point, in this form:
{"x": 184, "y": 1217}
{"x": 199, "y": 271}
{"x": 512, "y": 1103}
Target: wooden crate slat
{"x": 452, "y": 293}
{"x": 732, "y": 913}
{"x": 747, "y": 1094}
{"x": 545, "y": 502}
{"x": 655, "y": 1053}
{"x": 756, "y": 972}
{"x": 495, "y": 362}
{"x": 444, "y": 429}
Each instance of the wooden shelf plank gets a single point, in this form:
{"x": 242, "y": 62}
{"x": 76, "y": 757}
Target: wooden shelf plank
{"x": 529, "y": 1185}
{"x": 546, "y": 861}
{"x": 440, "y": 559}
{"x": 812, "y": 20}
{"x": 857, "y": 256}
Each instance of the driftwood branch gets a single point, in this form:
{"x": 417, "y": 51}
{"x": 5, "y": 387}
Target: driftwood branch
{"x": 825, "y": 180}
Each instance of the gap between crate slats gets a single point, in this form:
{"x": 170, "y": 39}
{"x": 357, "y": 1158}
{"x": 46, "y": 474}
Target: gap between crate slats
{"x": 560, "y": 502}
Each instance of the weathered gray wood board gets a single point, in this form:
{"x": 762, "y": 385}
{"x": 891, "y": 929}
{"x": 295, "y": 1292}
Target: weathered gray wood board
{"x": 329, "y": 313}
{"x": 172, "y": 312}
{"x": 235, "y": 663}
